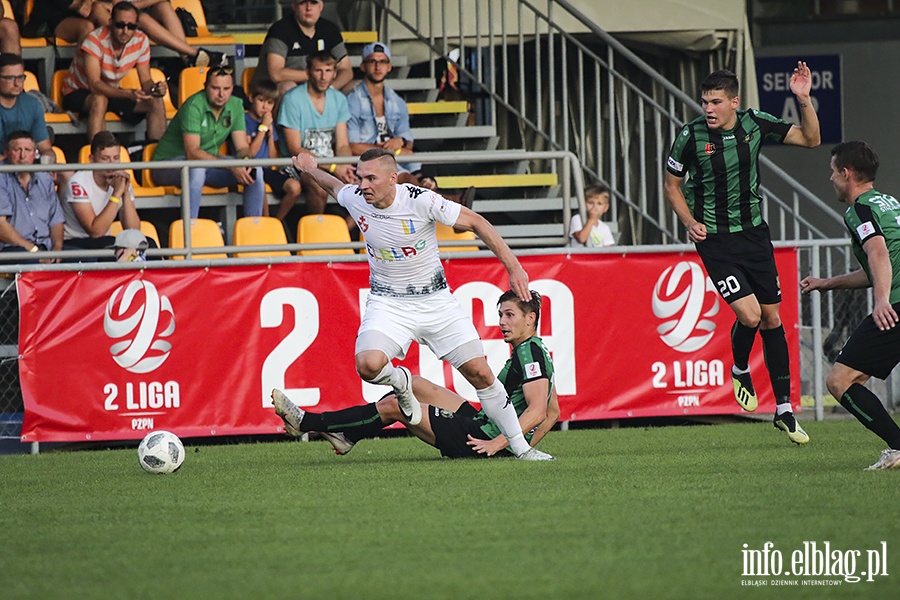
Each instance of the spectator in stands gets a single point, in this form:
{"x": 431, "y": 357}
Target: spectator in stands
{"x": 106, "y": 55}
{"x": 10, "y": 41}
{"x": 379, "y": 118}
{"x": 158, "y": 19}
{"x": 70, "y": 20}
{"x": 31, "y": 219}
{"x": 283, "y": 56}
{"x": 259, "y": 119}
{"x": 94, "y": 199}
{"x": 595, "y": 233}
{"x": 449, "y": 422}
{"x": 202, "y": 124}
{"x": 20, "y": 111}
{"x": 313, "y": 119}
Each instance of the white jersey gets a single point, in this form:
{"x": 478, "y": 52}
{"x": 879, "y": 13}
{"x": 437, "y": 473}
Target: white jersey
{"x": 401, "y": 240}
{"x": 601, "y": 234}
{"x": 83, "y": 188}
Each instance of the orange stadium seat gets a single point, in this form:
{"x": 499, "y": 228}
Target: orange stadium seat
{"x": 259, "y": 231}
{"x": 320, "y": 229}
{"x": 445, "y": 233}
{"x": 205, "y": 233}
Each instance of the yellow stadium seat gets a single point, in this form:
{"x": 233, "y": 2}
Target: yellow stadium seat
{"x": 259, "y": 231}
{"x": 131, "y": 81}
{"x": 246, "y": 77}
{"x": 445, "y": 233}
{"x": 147, "y": 228}
{"x": 56, "y": 86}
{"x": 321, "y": 229}
{"x": 60, "y": 155}
{"x": 205, "y": 233}
{"x": 204, "y": 37}
{"x": 31, "y": 82}
{"x": 191, "y": 81}
{"x": 147, "y": 176}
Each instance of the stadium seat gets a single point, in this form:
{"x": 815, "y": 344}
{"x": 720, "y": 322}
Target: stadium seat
{"x": 205, "y": 233}
{"x": 320, "y": 229}
{"x": 147, "y": 228}
{"x": 246, "y": 77}
{"x": 132, "y": 81}
{"x": 446, "y": 234}
{"x": 259, "y": 231}
{"x": 60, "y": 155}
{"x": 31, "y": 82}
{"x": 147, "y": 176}
{"x": 204, "y": 37}
{"x": 191, "y": 81}
{"x": 56, "y": 86}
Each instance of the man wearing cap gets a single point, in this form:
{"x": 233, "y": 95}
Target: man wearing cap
{"x": 92, "y": 200}
{"x": 290, "y": 40}
{"x": 130, "y": 246}
{"x": 379, "y": 118}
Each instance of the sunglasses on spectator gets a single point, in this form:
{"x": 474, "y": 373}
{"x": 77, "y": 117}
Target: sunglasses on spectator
{"x": 221, "y": 71}
{"x": 371, "y": 61}
{"x": 12, "y": 77}
{"x": 124, "y": 25}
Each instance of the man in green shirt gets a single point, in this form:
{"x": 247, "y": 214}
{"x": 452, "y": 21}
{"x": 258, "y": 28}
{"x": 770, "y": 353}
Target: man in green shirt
{"x": 873, "y": 220}
{"x": 197, "y": 132}
{"x": 720, "y": 207}
{"x": 449, "y": 422}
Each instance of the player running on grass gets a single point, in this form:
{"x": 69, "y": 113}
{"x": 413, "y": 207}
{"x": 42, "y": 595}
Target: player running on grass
{"x": 409, "y": 298}
{"x": 449, "y": 423}
{"x": 720, "y": 208}
{"x": 873, "y": 220}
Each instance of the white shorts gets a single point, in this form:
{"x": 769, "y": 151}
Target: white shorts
{"x": 437, "y": 320}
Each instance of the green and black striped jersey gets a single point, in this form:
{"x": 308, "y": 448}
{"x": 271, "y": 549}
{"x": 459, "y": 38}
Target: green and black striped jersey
{"x": 530, "y": 361}
{"x": 723, "y": 189}
{"x": 875, "y": 214}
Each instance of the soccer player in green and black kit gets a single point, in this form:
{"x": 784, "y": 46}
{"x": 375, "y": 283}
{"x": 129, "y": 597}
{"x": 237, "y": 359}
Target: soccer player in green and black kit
{"x": 873, "y": 220}
{"x": 449, "y": 422}
{"x": 720, "y": 207}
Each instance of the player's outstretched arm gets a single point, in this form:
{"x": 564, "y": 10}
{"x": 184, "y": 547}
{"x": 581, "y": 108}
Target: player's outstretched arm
{"x": 807, "y": 134}
{"x": 518, "y": 279}
{"x": 849, "y": 281}
{"x": 307, "y": 163}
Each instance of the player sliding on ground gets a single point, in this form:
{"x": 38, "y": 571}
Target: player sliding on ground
{"x": 449, "y": 423}
{"x": 409, "y": 297}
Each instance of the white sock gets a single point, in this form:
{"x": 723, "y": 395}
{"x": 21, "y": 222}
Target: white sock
{"x": 498, "y": 408}
{"x": 737, "y": 371}
{"x": 389, "y": 375}
{"x": 784, "y": 407}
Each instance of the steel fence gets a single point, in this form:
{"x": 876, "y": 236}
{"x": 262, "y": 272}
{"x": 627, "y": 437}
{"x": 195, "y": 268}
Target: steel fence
{"x": 825, "y": 322}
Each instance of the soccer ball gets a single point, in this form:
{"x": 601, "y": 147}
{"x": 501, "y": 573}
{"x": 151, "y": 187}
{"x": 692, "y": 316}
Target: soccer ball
{"x": 161, "y": 452}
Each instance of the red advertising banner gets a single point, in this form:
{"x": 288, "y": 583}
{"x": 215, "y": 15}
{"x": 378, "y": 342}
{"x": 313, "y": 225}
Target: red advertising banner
{"x": 112, "y": 354}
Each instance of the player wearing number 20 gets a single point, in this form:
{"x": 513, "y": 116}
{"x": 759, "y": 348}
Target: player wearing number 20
{"x": 720, "y": 207}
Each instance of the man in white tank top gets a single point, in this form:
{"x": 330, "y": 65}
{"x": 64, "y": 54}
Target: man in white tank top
{"x": 409, "y": 298}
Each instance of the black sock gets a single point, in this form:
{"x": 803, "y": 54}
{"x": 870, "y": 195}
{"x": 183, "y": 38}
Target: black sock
{"x": 742, "y": 338}
{"x": 356, "y": 422}
{"x": 868, "y": 410}
{"x": 778, "y": 362}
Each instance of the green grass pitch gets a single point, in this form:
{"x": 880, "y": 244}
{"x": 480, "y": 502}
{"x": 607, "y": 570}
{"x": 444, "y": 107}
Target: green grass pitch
{"x": 658, "y": 512}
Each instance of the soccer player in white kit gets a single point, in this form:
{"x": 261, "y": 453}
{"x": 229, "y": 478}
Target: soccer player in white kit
{"x": 409, "y": 297}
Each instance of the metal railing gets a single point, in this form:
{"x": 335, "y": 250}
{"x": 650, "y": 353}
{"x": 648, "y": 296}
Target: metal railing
{"x": 545, "y": 87}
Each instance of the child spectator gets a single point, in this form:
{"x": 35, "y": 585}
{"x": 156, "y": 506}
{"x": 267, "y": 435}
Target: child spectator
{"x": 594, "y": 233}
{"x": 261, "y": 131}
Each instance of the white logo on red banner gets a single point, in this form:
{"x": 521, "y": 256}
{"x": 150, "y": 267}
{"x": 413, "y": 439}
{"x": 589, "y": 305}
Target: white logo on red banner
{"x": 137, "y": 317}
{"x": 687, "y": 300}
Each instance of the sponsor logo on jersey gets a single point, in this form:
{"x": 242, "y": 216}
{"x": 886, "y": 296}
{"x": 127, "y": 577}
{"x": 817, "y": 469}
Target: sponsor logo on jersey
{"x": 674, "y": 164}
{"x": 684, "y": 299}
{"x": 138, "y": 319}
{"x": 710, "y": 149}
{"x": 409, "y": 227}
{"x": 392, "y": 254}
{"x": 532, "y": 370}
{"x": 865, "y": 230}
{"x": 748, "y": 138}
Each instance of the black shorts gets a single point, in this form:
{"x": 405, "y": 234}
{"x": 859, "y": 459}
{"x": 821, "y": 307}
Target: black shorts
{"x": 743, "y": 263}
{"x": 452, "y": 431}
{"x": 871, "y": 350}
{"x": 275, "y": 180}
{"x": 121, "y": 107}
